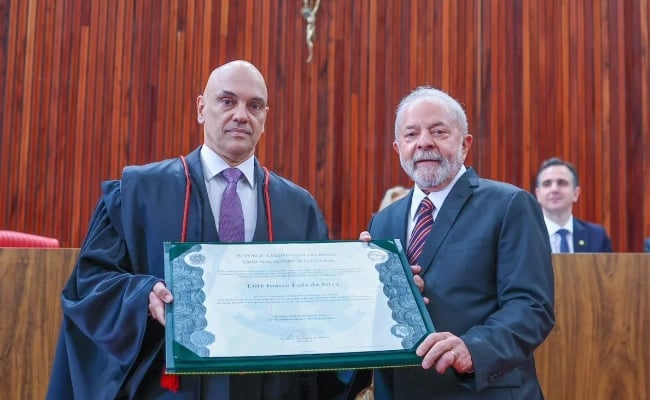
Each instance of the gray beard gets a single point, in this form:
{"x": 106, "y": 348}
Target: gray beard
{"x": 426, "y": 177}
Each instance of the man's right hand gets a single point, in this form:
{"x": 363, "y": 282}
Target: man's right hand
{"x": 158, "y": 297}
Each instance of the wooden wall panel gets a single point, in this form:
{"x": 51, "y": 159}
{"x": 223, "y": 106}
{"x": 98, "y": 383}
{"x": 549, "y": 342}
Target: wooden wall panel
{"x": 87, "y": 87}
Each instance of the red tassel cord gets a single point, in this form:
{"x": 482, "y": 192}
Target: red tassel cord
{"x": 170, "y": 382}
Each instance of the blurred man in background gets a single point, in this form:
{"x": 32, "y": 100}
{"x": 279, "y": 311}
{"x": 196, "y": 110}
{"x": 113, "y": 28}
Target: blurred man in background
{"x": 557, "y": 188}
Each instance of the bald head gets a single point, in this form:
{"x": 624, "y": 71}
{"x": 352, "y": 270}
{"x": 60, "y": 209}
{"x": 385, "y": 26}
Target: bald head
{"x": 233, "y": 110}
{"x": 239, "y": 70}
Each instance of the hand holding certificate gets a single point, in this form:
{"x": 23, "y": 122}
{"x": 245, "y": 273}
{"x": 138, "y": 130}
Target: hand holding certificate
{"x": 255, "y": 307}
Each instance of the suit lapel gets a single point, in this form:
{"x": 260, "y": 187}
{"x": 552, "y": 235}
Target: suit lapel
{"x": 201, "y": 226}
{"x": 447, "y": 215}
{"x": 579, "y": 236}
{"x": 261, "y": 226}
{"x": 397, "y": 218}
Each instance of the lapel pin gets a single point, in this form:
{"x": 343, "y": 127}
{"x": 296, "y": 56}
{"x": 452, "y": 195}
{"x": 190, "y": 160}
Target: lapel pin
{"x": 581, "y": 242}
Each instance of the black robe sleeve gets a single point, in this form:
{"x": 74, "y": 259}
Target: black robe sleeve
{"x": 105, "y": 307}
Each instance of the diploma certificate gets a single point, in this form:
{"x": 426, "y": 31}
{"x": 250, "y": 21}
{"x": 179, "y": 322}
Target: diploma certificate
{"x": 261, "y": 307}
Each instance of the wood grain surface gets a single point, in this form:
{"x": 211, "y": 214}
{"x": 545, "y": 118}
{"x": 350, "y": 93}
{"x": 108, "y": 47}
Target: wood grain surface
{"x": 87, "y": 87}
{"x": 30, "y": 294}
{"x": 599, "y": 349}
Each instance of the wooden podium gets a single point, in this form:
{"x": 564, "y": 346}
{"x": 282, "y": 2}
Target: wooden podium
{"x": 30, "y": 293}
{"x": 599, "y": 349}
{"x": 600, "y": 346}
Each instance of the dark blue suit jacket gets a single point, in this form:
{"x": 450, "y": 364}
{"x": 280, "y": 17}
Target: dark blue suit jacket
{"x": 109, "y": 348}
{"x": 590, "y": 238}
{"x": 488, "y": 274}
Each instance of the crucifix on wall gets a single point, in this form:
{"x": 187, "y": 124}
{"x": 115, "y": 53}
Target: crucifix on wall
{"x": 309, "y": 10}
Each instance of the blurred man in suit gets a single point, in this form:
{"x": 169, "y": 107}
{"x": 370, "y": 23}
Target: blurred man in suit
{"x": 557, "y": 188}
{"x": 485, "y": 264}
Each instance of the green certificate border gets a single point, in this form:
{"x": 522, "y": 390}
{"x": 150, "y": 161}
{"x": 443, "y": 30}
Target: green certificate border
{"x": 182, "y": 360}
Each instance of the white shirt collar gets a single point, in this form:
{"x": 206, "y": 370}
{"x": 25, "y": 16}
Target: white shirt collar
{"x": 213, "y": 164}
{"x": 437, "y": 198}
{"x": 553, "y": 227}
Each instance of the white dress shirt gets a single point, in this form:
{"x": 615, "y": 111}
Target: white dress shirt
{"x": 437, "y": 198}
{"x": 215, "y": 184}
{"x": 555, "y": 237}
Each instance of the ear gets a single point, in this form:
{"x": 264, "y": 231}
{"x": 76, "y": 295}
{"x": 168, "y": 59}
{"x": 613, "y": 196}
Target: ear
{"x": 467, "y": 143}
{"x": 537, "y": 195}
{"x": 576, "y": 194}
{"x": 200, "y": 106}
{"x": 396, "y": 147}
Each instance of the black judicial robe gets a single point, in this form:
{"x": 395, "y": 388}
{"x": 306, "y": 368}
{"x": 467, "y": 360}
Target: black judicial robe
{"x": 108, "y": 346}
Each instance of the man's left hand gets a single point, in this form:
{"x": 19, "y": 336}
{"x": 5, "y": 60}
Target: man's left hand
{"x": 443, "y": 350}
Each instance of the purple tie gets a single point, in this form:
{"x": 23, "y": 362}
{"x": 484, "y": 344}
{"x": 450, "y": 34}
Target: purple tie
{"x": 423, "y": 226}
{"x": 231, "y": 217}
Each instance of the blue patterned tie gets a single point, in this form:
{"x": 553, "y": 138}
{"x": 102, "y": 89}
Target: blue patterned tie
{"x": 423, "y": 226}
{"x": 231, "y": 217}
{"x": 564, "y": 243}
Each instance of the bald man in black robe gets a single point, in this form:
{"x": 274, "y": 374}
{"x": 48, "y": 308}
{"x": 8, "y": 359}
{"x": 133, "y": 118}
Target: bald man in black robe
{"x": 111, "y": 342}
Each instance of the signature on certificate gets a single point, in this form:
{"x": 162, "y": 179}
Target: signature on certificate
{"x": 303, "y": 335}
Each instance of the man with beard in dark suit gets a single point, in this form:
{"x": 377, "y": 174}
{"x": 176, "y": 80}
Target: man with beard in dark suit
{"x": 482, "y": 259}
